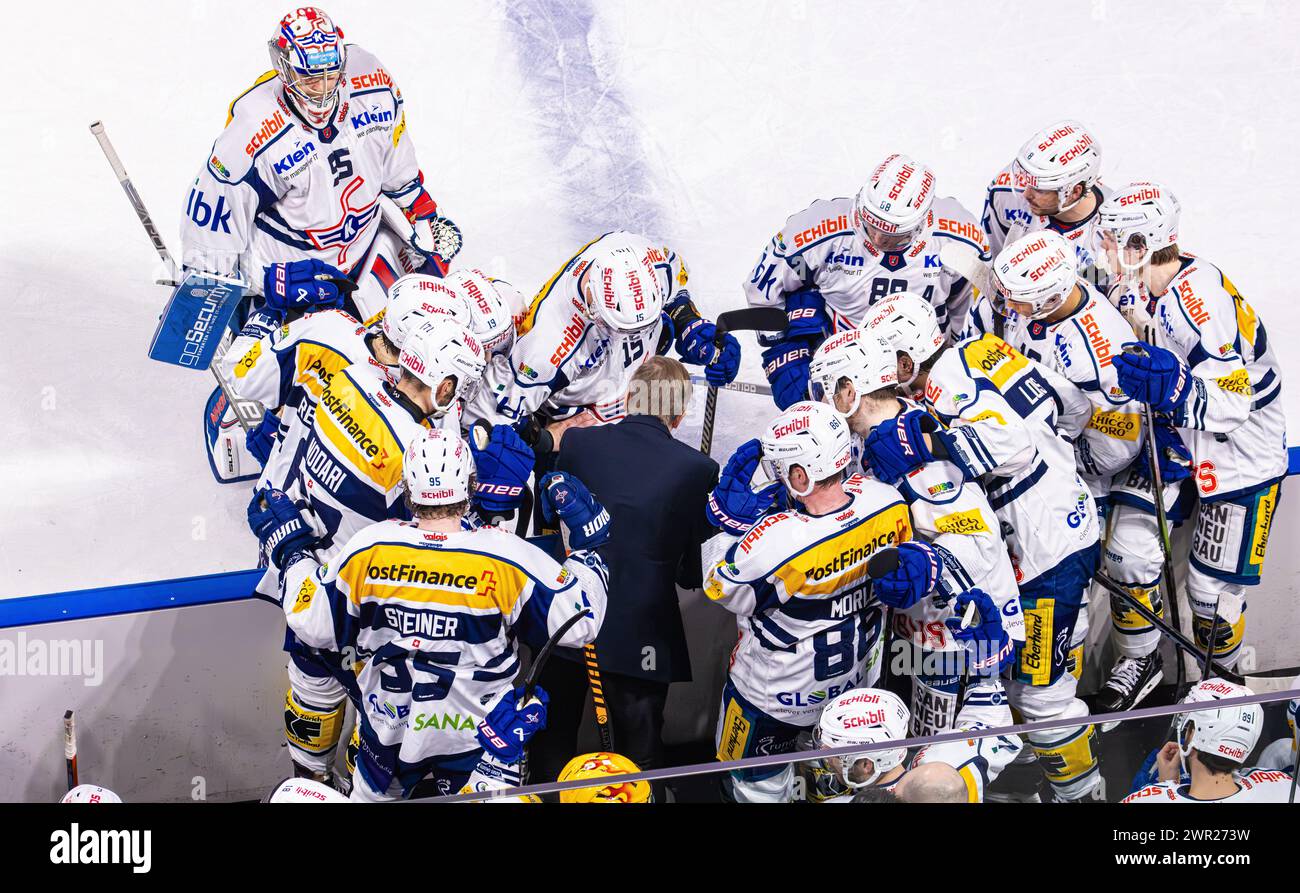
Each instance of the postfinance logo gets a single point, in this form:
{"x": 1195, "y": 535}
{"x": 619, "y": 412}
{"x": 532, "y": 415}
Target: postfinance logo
{"x": 841, "y": 560}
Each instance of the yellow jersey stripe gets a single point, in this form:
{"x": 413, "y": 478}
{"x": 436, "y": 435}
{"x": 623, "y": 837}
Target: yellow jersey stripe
{"x": 530, "y": 318}
{"x": 230, "y": 113}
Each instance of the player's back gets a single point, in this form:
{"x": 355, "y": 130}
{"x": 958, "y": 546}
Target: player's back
{"x": 1225, "y": 341}
{"x": 1253, "y": 786}
{"x": 434, "y": 614}
{"x": 810, "y": 626}
{"x": 351, "y": 464}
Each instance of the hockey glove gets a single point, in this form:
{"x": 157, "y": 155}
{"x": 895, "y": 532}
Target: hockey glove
{"x": 897, "y": 446}
{"x": 915, "y": 577}
{"x": 261, "y": 440}
{"x": 1153, "y": 375}
{"x": 586, "y": 523}
{"x": 989, "y": 649}
{"x": 504, "y": 732}
{"x": 733, "y": 505}
{"x": 786, "y": 366}
{"x": 806, "y": 311}
{"x": 304, "y": 285}
{"x": 696, "y": 345}
{"x": 1173, "y": 456}
{"x": 433, "y": 235}
{"x": 502, "y": 468}
{"x": 278, "y": 525}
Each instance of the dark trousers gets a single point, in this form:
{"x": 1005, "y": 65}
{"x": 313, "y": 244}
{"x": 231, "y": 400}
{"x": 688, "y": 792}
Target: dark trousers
{"x": 636, "y": 716}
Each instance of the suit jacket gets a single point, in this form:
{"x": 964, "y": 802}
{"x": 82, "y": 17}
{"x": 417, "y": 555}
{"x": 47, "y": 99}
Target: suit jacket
{"x": 655, "y": 488}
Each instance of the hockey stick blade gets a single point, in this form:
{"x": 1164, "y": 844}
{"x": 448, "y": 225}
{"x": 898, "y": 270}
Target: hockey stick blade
{"x": 746, "y": 319}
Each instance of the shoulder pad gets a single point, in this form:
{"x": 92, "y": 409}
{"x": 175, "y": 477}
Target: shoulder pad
{"x": 1200, "y": 293}
{"x": 824, "y": 218}
{"x": 953, "y": 221}
{"x": 258, "y": 117}
{"x": 365, "y": 72}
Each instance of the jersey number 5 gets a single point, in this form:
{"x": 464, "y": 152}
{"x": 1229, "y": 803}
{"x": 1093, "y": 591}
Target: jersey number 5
{"x": 340, "y": 165}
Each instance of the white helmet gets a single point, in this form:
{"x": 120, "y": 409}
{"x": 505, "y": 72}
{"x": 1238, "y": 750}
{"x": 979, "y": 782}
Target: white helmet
{"x": 1142, "y": 216}
{"x": 1059, "y": 157}
{"x": 908, "y": 323}
{"x": 494, "y": 306}
{"x": 304, "y": 790}
{"x": 90, "y": 793}
{"x": 867, "y": 360}
{"x": 438, "y": 349}
{"x": 890, "y": 211}
{"x": 307, "y": 46}
{"x": 811, "y": 435}
{"x": 1228, "y": 732}
{"x": 416, "y": 297}
{"x": 437, "y": 468}
{"x": 864, "y": 716}
{"x": 1040, "y": 269}
{"x": 623, "y": 290}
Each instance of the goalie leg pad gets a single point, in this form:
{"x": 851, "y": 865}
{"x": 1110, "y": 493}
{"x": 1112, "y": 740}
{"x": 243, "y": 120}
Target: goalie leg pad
{"x": 228, "y": 455}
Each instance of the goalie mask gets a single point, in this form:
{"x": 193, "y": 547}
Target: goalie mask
{"x": 308, "y": 53}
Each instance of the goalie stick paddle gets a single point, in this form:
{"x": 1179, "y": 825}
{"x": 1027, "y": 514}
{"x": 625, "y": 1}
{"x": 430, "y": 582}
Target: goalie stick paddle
{"x": 747, "y": 319}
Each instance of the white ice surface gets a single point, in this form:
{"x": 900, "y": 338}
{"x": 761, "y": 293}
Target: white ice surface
{"x": 705, "y": 124}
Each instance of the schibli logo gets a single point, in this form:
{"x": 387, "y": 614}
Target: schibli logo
{"x": 792, "y": 427}
{"x": 1194, "y": 305}
{"x": 825, "y": 228}
{"x": 1045, "y": 267}
{"x": 756, "y": 532}
{"x": 656, "y": 256}
{"x": 270, "y": 127}
{"x": 1039, "y": 244}
{"x": 1232, "y": 753}
{"x": 932, "y": 392}
{"x": 477, "y": 294}
{"x": 441, "y": 493}
{"x": 866, "y": 720}
{"x": 572, "y": 332}
{"x": 1074, "y": 151}
{"x": 1059, "y": 133}
{"x": 1219, "y": 688}
{"x": 607, "y": 286}
{"x": 378, "y": 78}
{"x": 414, "y": 363}
{"x": 634, "y": 283}
{"x": 1101, "y": 348}
{"x": 1146, "y": 193}
{"x": 904, "y": 175}
{"x": 965, "y": 229}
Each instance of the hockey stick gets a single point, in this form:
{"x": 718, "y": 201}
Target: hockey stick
{"x": 744, "y": 387}
{"x": 535, "y": 671}
{"x": 247, "y": 412}
{"x": 1176, "y": 636}
{"x": 1162, "y": 524}
{"x": 747, "y": 319}
{"x": 70, "y": 747}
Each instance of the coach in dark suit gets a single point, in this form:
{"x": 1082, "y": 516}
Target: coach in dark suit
{"x": 654, "y": 487}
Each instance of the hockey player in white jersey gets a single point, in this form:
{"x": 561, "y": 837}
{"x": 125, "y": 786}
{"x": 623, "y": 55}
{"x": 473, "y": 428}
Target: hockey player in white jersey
{"x": 837, "y": 258}
{"x": 307, "y": 155}
{"x": 619, "y": 300}
{"x": 348, "y": 477}
{"x": 810, "y": 619}
{"x": 1052, "y": 184}
{"x": 856, "y": 374}
{"x": 1002, "y": 412}
{"x": 867, "y": 716}
{"x": 1213, "y": 373}
{"x": 1212, "y": 746}
{"x": 1052, "y": 315}
{"x": 430, "y": 614}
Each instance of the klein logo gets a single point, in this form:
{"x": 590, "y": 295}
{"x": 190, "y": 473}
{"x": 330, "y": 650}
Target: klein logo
{"x": 287, "y": 163}
{"x": 374, "y": 116}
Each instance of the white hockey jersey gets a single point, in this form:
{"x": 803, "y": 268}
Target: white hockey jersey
{"x": 350, "y": 470}
{"x": 1081, "y": 348}
{"x": 1232, "y": 423}
{"x": 809, "y": 625}
{"x": 954, "y": 515}
{"x": 274, "y": 189}
{"x": 561, "y": 356}
{"x": 429, "y": 622}
{"x": 1253, "y": 786}
{"x": 1010, "y": 417}
{"x": 979, "y": 761}
{"x": 817, "y": 248}
{"x": 1007, "y": 217}
{"x": 289, "y": 369}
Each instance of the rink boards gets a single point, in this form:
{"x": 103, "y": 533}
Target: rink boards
{"x": 178, "y": 686}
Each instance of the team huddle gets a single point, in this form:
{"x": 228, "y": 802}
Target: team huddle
{"x": 967, "y": 401}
